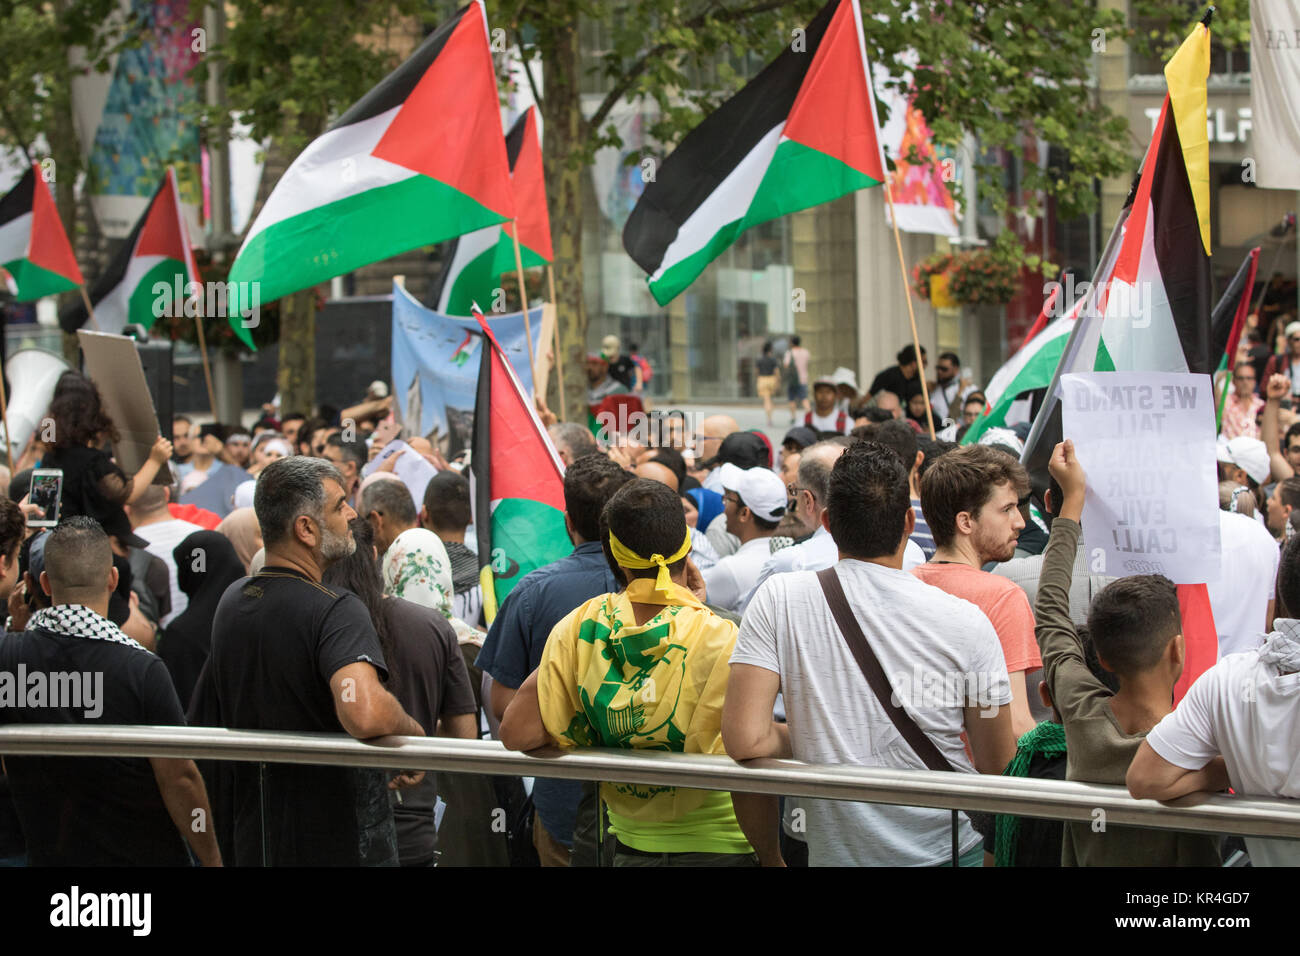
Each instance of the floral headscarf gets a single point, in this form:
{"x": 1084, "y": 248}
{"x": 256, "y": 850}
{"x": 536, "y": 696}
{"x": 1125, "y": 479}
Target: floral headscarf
{"x": 417, "y": 569}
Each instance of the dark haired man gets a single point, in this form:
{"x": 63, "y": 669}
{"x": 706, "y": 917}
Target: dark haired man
{"x": 1136, "y": 627}
{"x": 289, "y": 653}
{"x": 447, "y": 514}
{"x": 182, "y": 444}
{"x": 790, "y": 642}
{"x": 98, "y": 811}
{"x": 903, "y": 440}
{"x": 971, "y": 498}
{"x": 753, "y": 501}
{"x": 1244, "y": 712}
{"x": 643, "y": 668}
{"x": 290, "y": 425}
{"x": 903, "y": 379}
{"x": 514, "y": 643}
{"x": 949, "y": 389}
{"x": 349, "y": 457}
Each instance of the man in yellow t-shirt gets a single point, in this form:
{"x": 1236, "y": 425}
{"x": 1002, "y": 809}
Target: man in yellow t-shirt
{"x": 644, "y": 669}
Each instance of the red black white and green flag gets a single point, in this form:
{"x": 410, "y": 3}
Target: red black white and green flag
{"x": 417, "y": 160}
{"x": 802, "y": 133}
{"x": 476, "y": 261}
{"x": 34, "y": 249}
{"x": 518, "y": 479}
{"x": 153, "y": 274}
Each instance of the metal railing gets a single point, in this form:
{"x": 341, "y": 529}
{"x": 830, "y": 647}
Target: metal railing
{"x": 1052, "y": 799}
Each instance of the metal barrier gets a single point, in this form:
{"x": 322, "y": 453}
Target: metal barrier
{"x": 1053, "y": 799}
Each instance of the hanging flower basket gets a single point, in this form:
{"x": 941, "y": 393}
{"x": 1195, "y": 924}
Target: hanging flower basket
{"x": 934, "y": 265}
{"x": 979, "y": 277}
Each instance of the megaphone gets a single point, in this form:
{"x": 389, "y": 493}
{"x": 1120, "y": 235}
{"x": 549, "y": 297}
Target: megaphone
{"x": 32, "y": 374}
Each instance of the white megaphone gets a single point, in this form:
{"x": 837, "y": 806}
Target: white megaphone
{"x": 33, "y": 374}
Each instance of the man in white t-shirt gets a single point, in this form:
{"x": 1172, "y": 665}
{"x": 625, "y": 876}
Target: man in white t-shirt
{"x": 940, "y": 653}
{"x": 1242, "y": 598}
{"x": 151, "y": 520}
{"x": 753, "y": 502}
{"x": 826, "y": 414}
{"x": 1244, "y": 711}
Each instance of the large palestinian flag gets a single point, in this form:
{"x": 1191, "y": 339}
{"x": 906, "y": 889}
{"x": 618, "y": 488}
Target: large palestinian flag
{"x": 476, "y": 261}
{"x": 1151, "y": 311}
{"x": 417, "y": 160}
{"x": 34, "y": 249}
{"x": 803, "y": 132}
{"x": 518, "y": 479}
{"x": 150, "y": 276}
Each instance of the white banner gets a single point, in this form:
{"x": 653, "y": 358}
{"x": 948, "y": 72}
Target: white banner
{"x": 1275, "y": 92}
{"x": 1146, "y": 442}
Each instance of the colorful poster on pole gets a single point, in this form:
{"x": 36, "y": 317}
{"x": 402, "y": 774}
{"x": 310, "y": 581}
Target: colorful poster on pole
{"x": 1146, "y": 441}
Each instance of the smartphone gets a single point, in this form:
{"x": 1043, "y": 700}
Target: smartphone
{"x": 46, "y": 493}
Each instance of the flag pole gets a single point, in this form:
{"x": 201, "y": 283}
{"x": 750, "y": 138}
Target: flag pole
{"x": 523, "y": 301}
{"x": 4, "y": 416}
{"x": 203, "y": 353}
{"x": 911, "y": 314}
{"x": 90, "y": 310}
{"x": 559, "y": 362}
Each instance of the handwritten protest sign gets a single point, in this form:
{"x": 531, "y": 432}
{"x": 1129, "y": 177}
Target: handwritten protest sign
{"x": 1146, "y": 441}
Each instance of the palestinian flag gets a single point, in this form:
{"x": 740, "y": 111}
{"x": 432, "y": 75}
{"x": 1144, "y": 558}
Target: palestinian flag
{"x": 1229, "y": 318}
{"x": 151, "y": 275}
{"x": 34, "y": 249}
{"x": 1151, "y": 310}
{"x": 803, "y": 132}
{"x": 417, "y": 160}
{"x": 518, "y": 479}
{"x": 476, "y": 262}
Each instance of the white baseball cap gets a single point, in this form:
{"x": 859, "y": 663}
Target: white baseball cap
{"x": 759, "y": 488}
{"x": 1248, "y": 454}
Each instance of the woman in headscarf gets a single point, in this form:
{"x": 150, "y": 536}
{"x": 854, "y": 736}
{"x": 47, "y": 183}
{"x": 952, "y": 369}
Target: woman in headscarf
{"x": 243, "y": 531}
{"x": 206, "y": 565}
{"x": 417, "y": 569}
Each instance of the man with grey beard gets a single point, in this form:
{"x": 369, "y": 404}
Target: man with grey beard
{"x": 289, "y": 653}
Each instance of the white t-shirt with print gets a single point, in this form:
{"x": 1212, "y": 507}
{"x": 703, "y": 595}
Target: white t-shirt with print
{"x": 1244, "y": 710}
{"x": 927, "y": 642}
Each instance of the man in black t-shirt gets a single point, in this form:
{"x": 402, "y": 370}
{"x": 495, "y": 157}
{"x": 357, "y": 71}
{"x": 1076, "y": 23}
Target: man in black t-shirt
{"x": 291, "y": 654}
{"x": 96, "y": 811}
{"x": 622, "y": 368}
{"x": 903, "y": 379}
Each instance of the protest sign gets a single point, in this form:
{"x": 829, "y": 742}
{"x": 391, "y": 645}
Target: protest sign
{"x": 113, "y": 364}
{"x": 1146, "y": 442}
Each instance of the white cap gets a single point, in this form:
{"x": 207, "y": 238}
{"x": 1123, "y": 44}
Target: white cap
{"x": 1248, "y": 454}
{"x": 760, "y": 489}
{"x": 845, "y": 376}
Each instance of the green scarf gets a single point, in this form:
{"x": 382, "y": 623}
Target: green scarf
{"x": 1047, "y": 739}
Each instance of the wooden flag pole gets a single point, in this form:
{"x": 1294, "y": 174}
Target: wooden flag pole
{"x": 523, "y": 299}
{"x": 911, "y": 314}
{"x": 4, "y": 416}
{"x": 559, "y": 362}
{"x": 90, "y": 310}
{"x": 203, "y": 353}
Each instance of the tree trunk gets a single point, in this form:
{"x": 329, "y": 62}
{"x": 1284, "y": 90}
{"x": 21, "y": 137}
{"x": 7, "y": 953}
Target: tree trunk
{"x": 296, "y": 376}
{"x": 564, "y": 131}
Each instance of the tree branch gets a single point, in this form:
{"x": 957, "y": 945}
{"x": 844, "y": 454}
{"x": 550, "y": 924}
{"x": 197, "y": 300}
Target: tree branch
{"x": 629, "y": 77}
{"x": 523, "y": 59}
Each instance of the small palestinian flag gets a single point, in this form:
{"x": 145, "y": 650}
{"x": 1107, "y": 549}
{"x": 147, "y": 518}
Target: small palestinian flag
{"x": 803, "y": 132}
{"x": 417, "y": 160}
{"x": 518, "y": 479}
{"x": 34, "y": 249}
{"x": 1229, "y": 319}
{"x": 464, "y": 350}
{"x": 152, "y": 274}
{"x": 476, "y": 262}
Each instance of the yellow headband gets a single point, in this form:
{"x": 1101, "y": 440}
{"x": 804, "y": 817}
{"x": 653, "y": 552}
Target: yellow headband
{"x": 628, "y": 558}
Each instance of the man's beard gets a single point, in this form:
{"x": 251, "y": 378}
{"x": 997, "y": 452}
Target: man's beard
{"x": 336, "y": 547}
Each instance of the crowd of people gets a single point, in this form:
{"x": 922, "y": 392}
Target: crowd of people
{"x": 861, "y": 595}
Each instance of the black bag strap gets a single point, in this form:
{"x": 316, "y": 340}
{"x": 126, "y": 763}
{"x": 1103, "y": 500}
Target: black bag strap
{"x": 875, "y": 674}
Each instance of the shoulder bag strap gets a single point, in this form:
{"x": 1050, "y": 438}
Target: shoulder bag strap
{"x": 875, "y": 674}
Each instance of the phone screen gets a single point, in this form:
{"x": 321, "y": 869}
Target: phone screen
{"x": 46, "y": 491}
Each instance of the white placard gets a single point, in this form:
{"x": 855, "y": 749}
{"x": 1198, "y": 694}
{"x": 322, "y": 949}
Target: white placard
{"x": 1146, "y": 441}
{"x": 412, "y": 468}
